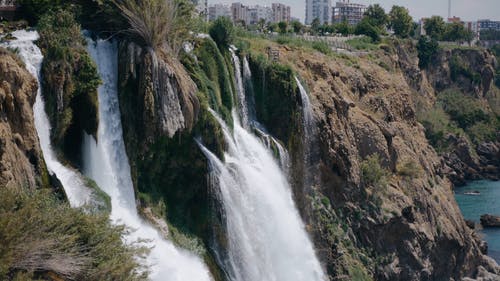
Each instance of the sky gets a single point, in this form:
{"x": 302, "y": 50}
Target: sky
{"x": 468, "y": 10}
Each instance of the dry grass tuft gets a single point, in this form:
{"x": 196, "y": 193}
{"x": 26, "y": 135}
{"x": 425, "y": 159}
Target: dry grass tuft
{"x": 159, "y": 23}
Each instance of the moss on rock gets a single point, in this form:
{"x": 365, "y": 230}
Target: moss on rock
{"x": 70, "y": 81}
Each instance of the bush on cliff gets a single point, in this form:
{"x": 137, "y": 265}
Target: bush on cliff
{"x": 372, "y": 172}
{"x": 222, "y": 31}
{"x": 427, "y": 49}
{"x": 70, "y": 81}
{"x": 470, "y": 115}
{"x": 157, "y": 23}
{"x": 45, "y": 239}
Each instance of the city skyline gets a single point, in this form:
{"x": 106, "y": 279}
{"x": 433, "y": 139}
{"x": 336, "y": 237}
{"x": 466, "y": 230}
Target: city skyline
{"x": 485, "y": 9}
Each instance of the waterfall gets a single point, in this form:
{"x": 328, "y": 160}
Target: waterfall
{"x": 78, "y": 194}
{"x": 107, "y": 163}
{"x": 310, "y": 148}
{"x": 266, "y": 238}
{"x": 242, "y": 101}
{"x": 247, "y": 79}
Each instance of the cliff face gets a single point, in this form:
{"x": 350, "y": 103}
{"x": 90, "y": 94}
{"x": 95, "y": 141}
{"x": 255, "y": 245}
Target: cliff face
{"x": 458, "y": 85}
{"x": 158, "y": 92}
{"x": 382, "y": 207}
{"x": 21, "y": 160}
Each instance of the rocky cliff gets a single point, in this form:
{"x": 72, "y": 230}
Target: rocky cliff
{"x": 382, "y": 207}
{"x": 21, "y": 161}
{"x": 379, "y": 204}
{"x": 459, "y": 104}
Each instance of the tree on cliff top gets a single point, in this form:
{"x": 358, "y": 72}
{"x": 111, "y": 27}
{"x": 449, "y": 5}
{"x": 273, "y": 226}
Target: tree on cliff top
{"x": 435, "y": 27}
{"x": 376, "y": 16}
{"x": 222, "y": 31}
{"x": 400, "y": 21}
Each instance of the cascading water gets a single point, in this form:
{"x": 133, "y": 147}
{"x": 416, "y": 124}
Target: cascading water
{"x": 242, "y": 101}
{"x": 266, "y": 238}
{"x": 107, "y": 163}
{"x": 78, "y": 194}
{"x": 310, "y": 151}
{"x": 308, "y": 118}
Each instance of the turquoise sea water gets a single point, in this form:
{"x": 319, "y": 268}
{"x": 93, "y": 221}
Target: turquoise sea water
{"x": 488, "y": 202}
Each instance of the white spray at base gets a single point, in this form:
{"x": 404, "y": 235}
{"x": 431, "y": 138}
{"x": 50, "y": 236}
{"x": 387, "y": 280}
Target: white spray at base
{"x": 267, "y": 240}
{"x": 107, "y": 163}
{"x": 78, "y": 194}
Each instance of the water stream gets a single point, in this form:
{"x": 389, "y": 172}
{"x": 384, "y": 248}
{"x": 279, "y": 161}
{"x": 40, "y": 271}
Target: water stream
{"x": 107, "y": 163}
{"x": 78, "y": 194}
{"x": 266, "y": 237}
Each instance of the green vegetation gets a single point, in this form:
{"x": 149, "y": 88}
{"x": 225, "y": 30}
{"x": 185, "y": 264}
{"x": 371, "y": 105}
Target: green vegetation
{"x": 32, "y": 10}
{"x": 427, "y": 49}
{"x": 45, "y": 238}
{"x": 275, "y": 99}
{"x": 410, "y": 169}
{"x": 222, "y": 31}
{"x": 435, "y": 27}
{"x": 496, "y": 51}
{"x": 372, "y": 172}
{"x": 343, "y": 257}
{"x": 363, "y": 43}
{"x": 157, "y": 22}
{"x": 365, "y": 27}
{"x": 459, "y": 68}
{"x": 460, "y": 115}
{"x": 70, "y": 82}
{"x": 102, "y": 201}
{"x": 400, "y": 21}
{"x": 437, "y": 126}
{"x": 470, "y": 115}
{"x": 376, "y": 16}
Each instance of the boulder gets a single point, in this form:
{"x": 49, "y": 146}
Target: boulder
{"x": 490, "y": 220}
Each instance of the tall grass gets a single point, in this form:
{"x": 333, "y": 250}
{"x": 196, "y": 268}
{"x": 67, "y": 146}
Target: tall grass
{"x": 41, "y": 236}
{"x": 158, "y": 23}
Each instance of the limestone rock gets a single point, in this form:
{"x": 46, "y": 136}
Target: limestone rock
{"x": 21, "y": 160}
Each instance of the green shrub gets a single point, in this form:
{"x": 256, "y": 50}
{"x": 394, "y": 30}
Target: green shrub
{"x": 409, "y": 168}
{"x": 437, "y": 124}
{"x": 362, "y": 43}
{"x": 427, "y": 49}
{"x": 33, "y": 10}
{"x": 372, "y": 173}
{"x": 222, "y": 31}
{"x": 458, "y": 67}
{"x": 67, "y": 67}
{"x": 41, "y": 234}
{"x": 322, "y": 47}
{"x": 368, "y": 29}
{"x": 464, "y": 110}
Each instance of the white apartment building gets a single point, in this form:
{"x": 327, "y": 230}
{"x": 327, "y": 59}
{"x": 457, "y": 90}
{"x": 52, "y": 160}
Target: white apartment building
{"x": 219, "y": 10}
{"x": 250, "y": 15}
{"x": 281, "y": 12}
{"x": 320, "y": 9}
{"x": 256, "y": 13}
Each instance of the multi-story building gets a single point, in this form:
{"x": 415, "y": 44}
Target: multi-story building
{"x": 488, "y": 24}
{"x": 239, "y": 12}
{"x": 219, "y": 10}
{"x": 257, "y": 13}
{"x": 250, "y": 15}
{"x": 281, "y": 12}
{"x": 352, "y": 13}
{"x": 318, "y": 9}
